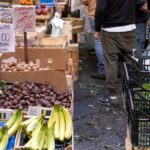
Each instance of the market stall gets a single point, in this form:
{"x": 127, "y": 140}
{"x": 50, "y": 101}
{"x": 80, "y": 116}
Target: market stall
{"x": 36, "y": 73}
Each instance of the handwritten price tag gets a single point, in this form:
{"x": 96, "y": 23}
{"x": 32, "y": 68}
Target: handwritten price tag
{"x": 24, "y": 18}
{"x": 7, "y": 38}
{"x": 6, "y": 14}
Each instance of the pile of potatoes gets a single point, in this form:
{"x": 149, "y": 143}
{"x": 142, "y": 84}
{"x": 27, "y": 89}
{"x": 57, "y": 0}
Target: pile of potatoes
{"x": 23, "y": 95}
{"x": 20, "y": 66}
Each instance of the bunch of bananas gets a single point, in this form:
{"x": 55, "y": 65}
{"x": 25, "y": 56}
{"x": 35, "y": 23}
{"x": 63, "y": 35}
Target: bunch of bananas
{"x": 40, "y": 137}
{"x": 61, "y": 120}
{"x": 10, "y": 128}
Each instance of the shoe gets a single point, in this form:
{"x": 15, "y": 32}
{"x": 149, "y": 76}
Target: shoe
{"x": 109, "y": 100}
{"x": 98, "y": 76}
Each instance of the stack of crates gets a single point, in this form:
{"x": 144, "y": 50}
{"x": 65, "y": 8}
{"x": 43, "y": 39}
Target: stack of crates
{"x": 137, "y": 94}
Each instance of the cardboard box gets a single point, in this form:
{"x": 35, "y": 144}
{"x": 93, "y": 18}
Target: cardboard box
{"x": 54, "y": 77}
{"x": 73, "y": 57}
{"x": 55, "y": 58}
{"x": 73, "y": 26}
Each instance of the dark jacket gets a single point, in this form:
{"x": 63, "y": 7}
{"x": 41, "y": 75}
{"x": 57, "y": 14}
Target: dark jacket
{"x": 114, "y": 13}
{"x": 140, "y": 16}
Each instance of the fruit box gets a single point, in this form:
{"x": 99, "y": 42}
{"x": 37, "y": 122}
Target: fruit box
{"x": 55, "y": 58}
{"x": 56, "y": 78}
{"x": 36, "y": 111}
{"x": 19, "y": 143}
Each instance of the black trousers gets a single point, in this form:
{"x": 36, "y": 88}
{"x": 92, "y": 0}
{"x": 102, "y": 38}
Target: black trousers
{"x": 116, "y": 44}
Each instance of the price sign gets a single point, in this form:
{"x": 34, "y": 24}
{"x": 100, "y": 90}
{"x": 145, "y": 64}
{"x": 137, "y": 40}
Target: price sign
{"x": 24, "y": 18}
{"x": 6, "y": 14}
{"x": 7, "y": 38}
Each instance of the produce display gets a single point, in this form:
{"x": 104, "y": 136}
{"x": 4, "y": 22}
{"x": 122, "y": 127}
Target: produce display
{"x": 20, "y": 66}
{"x": 63, "y": 126}
{"x": 23, "y": 95}
{"x": 11, "y": 127}
{"x": 43, "y": 10}
{"x": 26, "y": 2}
{"x": 42, "y": 135}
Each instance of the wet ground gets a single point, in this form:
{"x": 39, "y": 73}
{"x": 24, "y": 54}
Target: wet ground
{"x": 97, "y": 127}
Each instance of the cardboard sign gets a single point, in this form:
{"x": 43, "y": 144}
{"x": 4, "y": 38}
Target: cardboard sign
{"x": 24, "y": 18}
{"x": 7, "y": 38}
{"x": 6, "y": 14}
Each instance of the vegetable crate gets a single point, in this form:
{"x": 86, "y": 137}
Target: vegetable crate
{"x": 138, "y": 108}
{"x": 37, "y": 111}
{"x": 135, "y": 76}
{"x": 138, "y": 72}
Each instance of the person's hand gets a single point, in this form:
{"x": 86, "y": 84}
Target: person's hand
{"x": 144, "y": 8}
{"x": 97, "y": 35}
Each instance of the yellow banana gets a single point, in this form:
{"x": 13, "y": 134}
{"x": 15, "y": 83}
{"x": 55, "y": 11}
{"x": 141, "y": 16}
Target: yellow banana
{"x": 31, "y": 126}
{"x": 38, "y": 127}
{"x": 2, "y": 129}
{"x": 27, "y": 122}
{"x": 52, "y": 119}
{"x": 12, "y": 119}
{"x": 14, "y": 128}
{"x": 61, "y": 125}
{"x": 51, "y": 138}
{"x": 45, "y": 146}
{"x": 28, "y": 144}
{"x": 69, "y": 123}
{"x": 56, "y": 128}
{"x": 42, "y": 140}
{"x": 4, "y": 141}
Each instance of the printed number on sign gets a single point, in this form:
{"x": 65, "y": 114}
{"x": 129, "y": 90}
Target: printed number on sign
{"x": 5, "y": 37}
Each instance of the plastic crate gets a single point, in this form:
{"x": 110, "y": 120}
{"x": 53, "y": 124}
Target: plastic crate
{"x": 141, "y": 59}
{"x": 138, "y": 119}
{"x": 135, "y": 76}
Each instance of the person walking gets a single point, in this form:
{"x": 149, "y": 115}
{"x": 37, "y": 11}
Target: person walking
{"x": 141, "y": 21}
{"x": 115, "y": 22}
{"x": 91, "y": 4}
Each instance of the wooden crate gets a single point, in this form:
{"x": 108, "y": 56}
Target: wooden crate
{"x": 129, "y": 146}
{"x": 44, "y": 18}
{"x": 73, "y": 26}
{"x": 73, "y": 60}
{"x": 55, "y": 42}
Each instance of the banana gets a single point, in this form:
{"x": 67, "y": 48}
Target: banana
{"x": 12, "y": 119}
{"x": 56, "y": 128}
{"x": 43, "y": 134}
{"x": 36, "y": 140}
{"x": 51, "y": 138}
{"x": 61, "y": 125}
{"x": 14, "y": 128}
{"x": 2, "y": 129}
{"x": 69, "y": 123}
{"x": 28, "y": 144}
{"x": 32, "y": 125}
{"x": 52, "y": 119}
{"x": 38, "y": 127}
{"x": 45, "y": 146}
{"x": 27, "y": 122}
{"x": 4, "y": 141}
